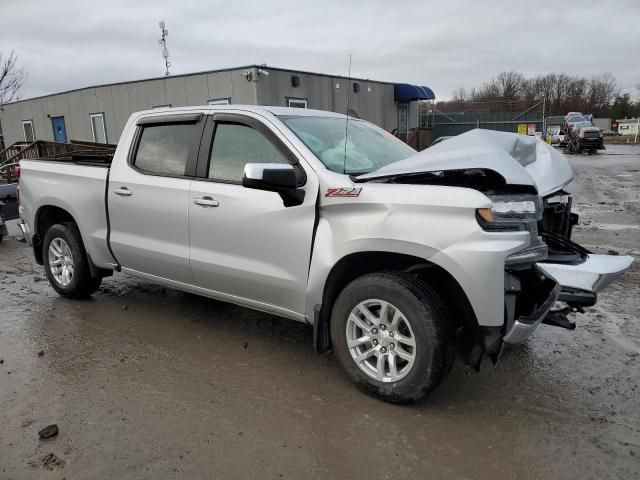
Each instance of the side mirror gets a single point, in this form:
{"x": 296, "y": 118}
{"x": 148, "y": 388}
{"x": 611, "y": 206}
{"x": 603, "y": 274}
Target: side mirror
{"x": 274, "y": 177}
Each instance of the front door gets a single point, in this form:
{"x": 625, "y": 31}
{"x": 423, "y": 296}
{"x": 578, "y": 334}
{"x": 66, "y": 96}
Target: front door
{"x": 147, "y": 199}
{"x": 245, "y": 243}
{"x": 59, "y": 130}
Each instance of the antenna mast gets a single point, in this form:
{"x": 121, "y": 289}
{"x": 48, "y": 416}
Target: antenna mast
{"x": 163, "y": 43}
{"x": 346, "y": 124}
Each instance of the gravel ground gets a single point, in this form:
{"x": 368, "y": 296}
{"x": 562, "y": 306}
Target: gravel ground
{"x": 146, "y": 382}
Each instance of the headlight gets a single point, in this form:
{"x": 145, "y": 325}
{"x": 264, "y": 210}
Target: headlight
{"x": 516, "y": 213}
{"x": 510, "y": 212}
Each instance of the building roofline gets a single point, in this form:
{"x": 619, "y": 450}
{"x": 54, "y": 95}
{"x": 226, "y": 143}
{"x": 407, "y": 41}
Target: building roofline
{"x": 204, "y": 72}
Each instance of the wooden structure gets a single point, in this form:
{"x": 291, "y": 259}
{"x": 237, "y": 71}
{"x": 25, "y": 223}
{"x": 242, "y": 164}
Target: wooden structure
{"x": 11, "y": 156}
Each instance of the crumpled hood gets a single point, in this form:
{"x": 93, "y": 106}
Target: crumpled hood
{"x": 520, "y": 159}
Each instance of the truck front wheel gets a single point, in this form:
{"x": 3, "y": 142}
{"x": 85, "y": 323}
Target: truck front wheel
{"x": 393, "y": 336}
{"x": 65, "y": 262}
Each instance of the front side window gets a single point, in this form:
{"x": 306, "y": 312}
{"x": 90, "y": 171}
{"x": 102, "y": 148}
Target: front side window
{"x": 164, "y": 149}
{"x": 29, "y": 134}
{"x": 98, "y": 128}
{"x": 235, "y": 145}
{"x": 367, "y": 148}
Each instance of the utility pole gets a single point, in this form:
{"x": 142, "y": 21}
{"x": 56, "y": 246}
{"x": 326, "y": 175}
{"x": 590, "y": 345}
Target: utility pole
{"x": 163, "y": 43}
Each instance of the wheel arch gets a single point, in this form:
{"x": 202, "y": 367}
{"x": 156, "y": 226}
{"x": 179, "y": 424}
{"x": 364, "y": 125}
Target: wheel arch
{"x": 46, "y": 216}
{"x": 354, "y": 265}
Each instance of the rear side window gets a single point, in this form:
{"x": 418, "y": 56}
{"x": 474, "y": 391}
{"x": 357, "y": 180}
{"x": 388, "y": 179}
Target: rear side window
{"x": 164, "y": 149}
{"x": 235, "y": 145}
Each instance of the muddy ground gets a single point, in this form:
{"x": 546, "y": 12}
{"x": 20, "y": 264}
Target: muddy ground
{"x": 146, "y": 382}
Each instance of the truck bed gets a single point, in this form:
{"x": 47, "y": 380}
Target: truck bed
{"x": 77, "y": 185}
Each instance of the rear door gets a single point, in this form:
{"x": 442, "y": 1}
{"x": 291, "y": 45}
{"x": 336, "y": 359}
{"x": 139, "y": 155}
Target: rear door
{"x": 245, "y": 244}
{"x": 148, "y": 197}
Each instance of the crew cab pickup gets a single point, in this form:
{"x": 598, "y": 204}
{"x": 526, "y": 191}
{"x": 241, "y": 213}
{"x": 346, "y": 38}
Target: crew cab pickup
{"x": 317, "y": 217}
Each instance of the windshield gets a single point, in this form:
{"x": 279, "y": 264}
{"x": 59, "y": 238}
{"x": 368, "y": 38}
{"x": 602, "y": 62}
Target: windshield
{"x": 579, "y": 125}
{"x": 368, "y": 147}
{"x": 578, "y": 118}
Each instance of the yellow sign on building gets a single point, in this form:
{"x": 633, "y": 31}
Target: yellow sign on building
{"x": 522, "y": 128}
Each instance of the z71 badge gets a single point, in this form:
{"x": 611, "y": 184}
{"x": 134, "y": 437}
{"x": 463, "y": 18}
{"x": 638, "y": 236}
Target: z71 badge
{"x": 343, "y": 192}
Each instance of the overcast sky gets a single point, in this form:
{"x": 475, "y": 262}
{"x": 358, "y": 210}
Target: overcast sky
{"x": 444, "y": 44}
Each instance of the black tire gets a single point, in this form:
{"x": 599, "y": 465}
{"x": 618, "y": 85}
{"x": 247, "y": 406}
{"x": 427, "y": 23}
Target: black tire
{"x": 430, "y": 323}
{"x": 82, "y": 284}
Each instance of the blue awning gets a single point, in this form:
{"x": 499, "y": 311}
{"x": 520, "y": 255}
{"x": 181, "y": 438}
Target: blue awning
{"x": 404, "y": 92}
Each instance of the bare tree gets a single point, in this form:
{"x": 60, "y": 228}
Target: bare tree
{"x": 460, "y": 95}
{"x": 602, "y": 91}
{"x": 12, "y": 78}
{"x": 510, "y": 84}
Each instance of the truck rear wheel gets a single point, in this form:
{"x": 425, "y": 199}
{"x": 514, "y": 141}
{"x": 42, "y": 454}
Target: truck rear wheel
{"x": 393, "y": 336}
{"x": 65, "y": 262}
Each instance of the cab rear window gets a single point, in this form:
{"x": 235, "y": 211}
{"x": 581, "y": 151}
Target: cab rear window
{"x": 164, "y": 149}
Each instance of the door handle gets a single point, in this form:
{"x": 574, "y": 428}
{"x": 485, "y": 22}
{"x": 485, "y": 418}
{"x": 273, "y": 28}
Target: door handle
{"x": 205, "y": 202}
{"x": 122, "y": 191}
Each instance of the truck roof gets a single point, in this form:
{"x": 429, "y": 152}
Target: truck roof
{"x": 273, "y": 110}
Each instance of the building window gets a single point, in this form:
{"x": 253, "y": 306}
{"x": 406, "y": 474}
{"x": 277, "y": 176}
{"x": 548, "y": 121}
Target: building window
{"x": 219, "y": 101}
{"x": 29, "y": 133}
{"x": 98, "y": 128}
{"x": 296, "y": 102}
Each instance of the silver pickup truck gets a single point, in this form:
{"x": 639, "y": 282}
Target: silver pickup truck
{"x": 389, "y": 253}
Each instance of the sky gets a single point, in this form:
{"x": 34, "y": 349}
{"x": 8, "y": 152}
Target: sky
{"x": 443, "y": 44}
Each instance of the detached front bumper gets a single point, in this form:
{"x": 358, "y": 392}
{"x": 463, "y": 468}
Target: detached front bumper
{"x": 592, "y": 275}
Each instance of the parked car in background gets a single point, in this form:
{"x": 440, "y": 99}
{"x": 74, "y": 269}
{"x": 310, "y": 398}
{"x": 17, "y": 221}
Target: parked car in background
{"x": 327, "y": 220}
{"x": 609, "y": 133}
{"x": 581, "y": 134}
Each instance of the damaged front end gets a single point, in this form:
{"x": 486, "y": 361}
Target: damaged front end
{"x": 525, "y": 179}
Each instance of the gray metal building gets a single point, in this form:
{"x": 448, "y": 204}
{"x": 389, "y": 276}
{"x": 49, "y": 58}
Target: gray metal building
{"x": 99, "y": 113}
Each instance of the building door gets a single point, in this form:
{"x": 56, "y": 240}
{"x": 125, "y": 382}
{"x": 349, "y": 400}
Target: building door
{"x": 59, "y": 130}
{"x": 403, "y": 120}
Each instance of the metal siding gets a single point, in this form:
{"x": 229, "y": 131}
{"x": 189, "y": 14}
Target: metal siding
{"x": 219, "y": 85}
{"x": 119, "y": 101}
{"x": 243, "y": 91}
{"x": 11, "y": 116}
{"x": 175, "y": 91}
{"x": 76, "y": 123}
{"x": 376, "y": 106}
{"x": 197, "y": 90}
{"x": 37, "y": 111}
{"x": 8, "y": 122}
{"x": 105, "y": 105}
{"x": 137, "y": 93}
{"x": 121, "y": 110}
{"x": 156, "y": 93}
